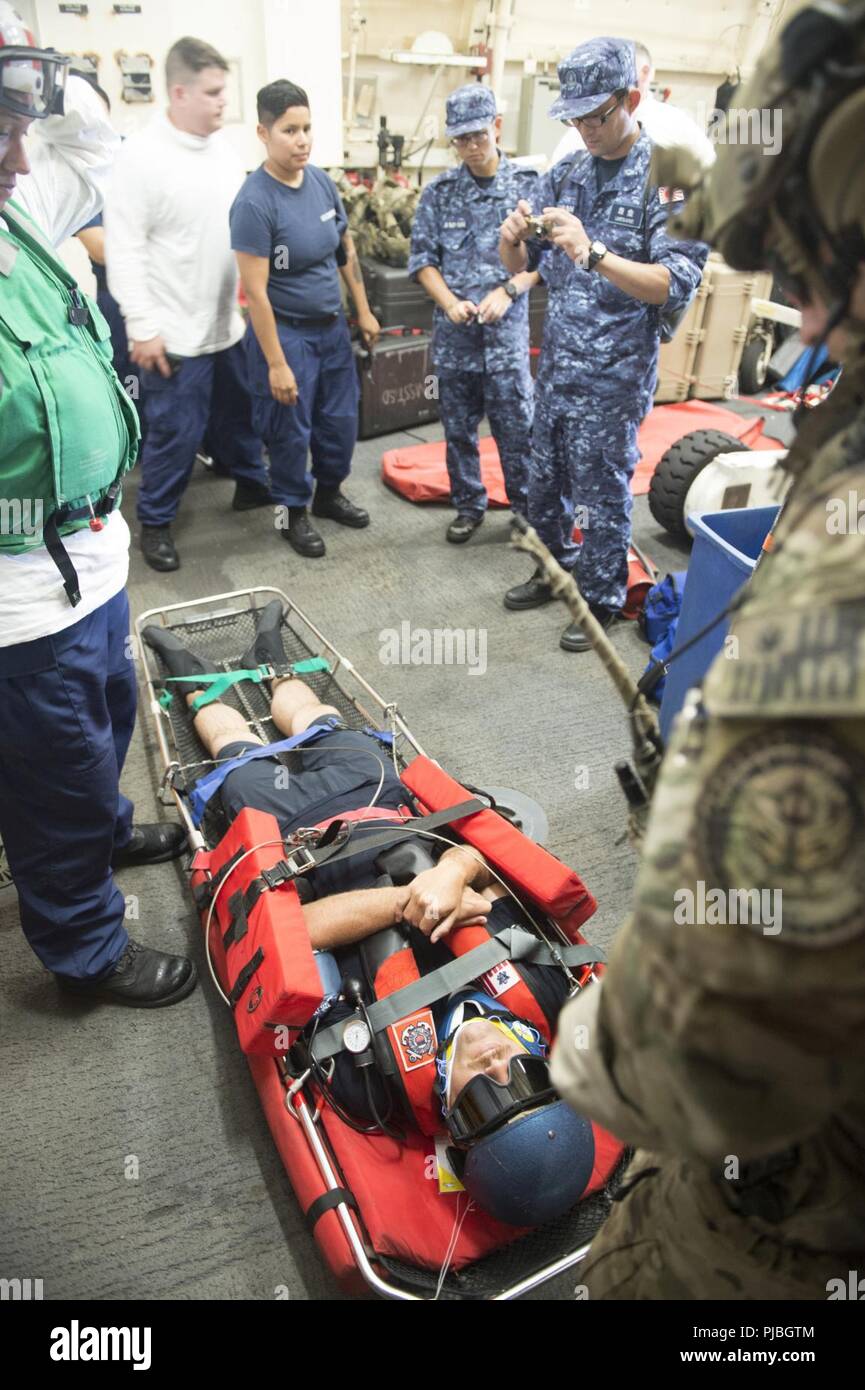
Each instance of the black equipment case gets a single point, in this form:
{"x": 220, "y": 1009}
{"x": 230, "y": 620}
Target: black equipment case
{"x": 397, "y": 383}
{"x": 394, "y": 298}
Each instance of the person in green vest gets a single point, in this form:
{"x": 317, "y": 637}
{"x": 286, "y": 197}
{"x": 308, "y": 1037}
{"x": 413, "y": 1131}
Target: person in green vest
{"x": 68, "y": 434}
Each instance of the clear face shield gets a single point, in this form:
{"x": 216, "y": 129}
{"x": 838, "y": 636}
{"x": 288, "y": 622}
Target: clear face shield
{"x": 32, "y": 82}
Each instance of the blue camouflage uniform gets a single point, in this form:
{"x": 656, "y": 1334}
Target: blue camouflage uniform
{"x": 481, "y": 368}
{"x": 599, "y": 356}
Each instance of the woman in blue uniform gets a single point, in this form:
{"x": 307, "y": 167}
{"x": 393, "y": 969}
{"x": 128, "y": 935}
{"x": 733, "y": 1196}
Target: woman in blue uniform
{"x": 289, "y": 231}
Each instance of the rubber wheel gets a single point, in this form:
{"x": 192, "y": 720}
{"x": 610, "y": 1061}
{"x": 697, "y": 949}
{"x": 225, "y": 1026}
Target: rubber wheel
{"x": 754, "y": 366}
{"x": 677, "y": 470}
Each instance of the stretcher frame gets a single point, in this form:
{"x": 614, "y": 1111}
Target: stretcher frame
{"x": 192, "y": 614}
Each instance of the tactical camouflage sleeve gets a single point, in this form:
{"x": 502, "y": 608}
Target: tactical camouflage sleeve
{"x": 732, "y": 1015}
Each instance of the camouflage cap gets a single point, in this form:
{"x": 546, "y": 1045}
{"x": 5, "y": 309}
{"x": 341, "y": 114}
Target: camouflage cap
{"x": 591, "y": 74}
{"x": 472, "y": 107}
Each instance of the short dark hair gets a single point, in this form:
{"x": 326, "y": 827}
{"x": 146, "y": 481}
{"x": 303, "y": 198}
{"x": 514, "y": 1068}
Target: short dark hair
{"x": 188, "y": 57}
{"x": 276, "y": 98}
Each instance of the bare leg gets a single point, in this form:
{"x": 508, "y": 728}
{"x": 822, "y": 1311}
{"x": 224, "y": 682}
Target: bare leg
{"x": 217, "y": 725}
{"x": 294, "y": 706}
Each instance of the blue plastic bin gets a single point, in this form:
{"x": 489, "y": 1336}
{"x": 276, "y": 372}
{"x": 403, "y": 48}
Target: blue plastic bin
{"x": 726, "y": 548}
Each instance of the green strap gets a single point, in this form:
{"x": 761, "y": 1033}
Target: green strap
{"x": 217, "y": 685}
{"x": 314, "y": 663}
{"x": 218, "y": 682}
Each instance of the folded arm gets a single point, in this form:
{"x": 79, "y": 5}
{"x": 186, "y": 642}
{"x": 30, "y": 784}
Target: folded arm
{"x": 435, "y": 901}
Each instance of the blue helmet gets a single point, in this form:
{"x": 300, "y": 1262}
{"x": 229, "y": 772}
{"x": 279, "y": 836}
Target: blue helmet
{"x": 522, "y": 1153}
{"x": 534, "y": 1168}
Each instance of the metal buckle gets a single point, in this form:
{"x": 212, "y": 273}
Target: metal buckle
{"x": 304, "y": 835}
{"x": 300, "y": 860}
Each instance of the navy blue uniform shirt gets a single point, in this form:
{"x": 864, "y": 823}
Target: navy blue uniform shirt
{"x": 299, "y": 231}
{"x": 598, "y": 340}
{"x": 456, "y": 231}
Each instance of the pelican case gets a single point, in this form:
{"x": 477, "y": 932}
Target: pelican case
{"x": 394, "y": 298}
{"x": 397, "y": 383}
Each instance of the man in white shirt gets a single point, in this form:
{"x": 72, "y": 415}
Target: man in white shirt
{"x": 172, "y": 270}
{"x": 664, "y": 123}
{"x": 67, "y": 683}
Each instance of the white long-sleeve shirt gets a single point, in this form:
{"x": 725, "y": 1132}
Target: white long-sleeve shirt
{"x": 167, "y": 243}
{"x": 665, "y": 125}
{"x": 70, "y": 161}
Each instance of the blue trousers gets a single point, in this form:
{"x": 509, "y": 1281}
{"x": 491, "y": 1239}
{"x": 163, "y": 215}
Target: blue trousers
{"x": 322, "y": 423}
{"x": 584, "y": 452}
{"x": 206, "y": 395}
{"x": 507, "y": 399}
{"x": 67, "y": 711}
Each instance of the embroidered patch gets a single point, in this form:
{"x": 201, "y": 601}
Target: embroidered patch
{"x": 671, "y": 195}
{"x": 785, "y": 817}
{"x": 626, "y": 215}
{"x": 415, "y": 1039}
{"x": 500, "y": 978}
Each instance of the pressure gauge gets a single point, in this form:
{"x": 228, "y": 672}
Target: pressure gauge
{"x": 356, "y": 1036}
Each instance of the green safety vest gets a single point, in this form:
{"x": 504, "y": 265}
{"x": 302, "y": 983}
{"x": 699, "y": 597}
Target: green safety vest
{"x": 68, "y": 430}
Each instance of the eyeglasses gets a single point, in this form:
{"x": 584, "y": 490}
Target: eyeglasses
{"x": 474, "y": 137}
{"x": 595, "y": 122}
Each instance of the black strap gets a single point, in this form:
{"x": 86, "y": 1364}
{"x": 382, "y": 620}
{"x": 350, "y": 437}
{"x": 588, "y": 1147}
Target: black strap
{"x": 238, "y": 925}
{"x": 336, "y": 1197}
{"x": 245, "y": 976}
{"x": 205, "y": 892}
{"x": 57, "y": 550}
{"x": 399, "y": 830}
{"x": 60, "y": 555}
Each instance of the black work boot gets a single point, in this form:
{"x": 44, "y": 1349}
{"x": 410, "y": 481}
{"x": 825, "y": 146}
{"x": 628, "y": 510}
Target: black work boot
{"x": 248, "y": 496}
{"x": 151, "y": 844}
{"x": 302, "y": 534}
{"x": 267, "y": 649}
{"x": 535, "y": 592}
{"x": 463, "y": 527}
{"x": 573, "y": 639}
{"x": 333, "y": 503}
{"x": 142, "y": 978}
{"x": 159, "y": 549}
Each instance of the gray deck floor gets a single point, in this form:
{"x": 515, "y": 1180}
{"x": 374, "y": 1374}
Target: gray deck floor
{"x": 91, "y": 1096}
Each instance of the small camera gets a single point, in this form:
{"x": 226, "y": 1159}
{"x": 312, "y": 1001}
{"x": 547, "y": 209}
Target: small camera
{"x": 540, "y": 227}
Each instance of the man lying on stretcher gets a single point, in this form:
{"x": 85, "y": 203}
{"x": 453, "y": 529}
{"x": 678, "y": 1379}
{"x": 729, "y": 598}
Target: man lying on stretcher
{"x": 522, "y": 1154}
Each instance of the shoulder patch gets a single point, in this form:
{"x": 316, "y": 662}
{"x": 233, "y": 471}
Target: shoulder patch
{"x": 791, "y": 663}
{"x": 782, "y": 827}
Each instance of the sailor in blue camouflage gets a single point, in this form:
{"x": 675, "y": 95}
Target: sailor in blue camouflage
{"x": 598, "y": 366}
{"x": 480, "y": 348}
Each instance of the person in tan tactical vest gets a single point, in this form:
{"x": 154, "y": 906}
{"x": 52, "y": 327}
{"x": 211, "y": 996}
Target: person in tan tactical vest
{"x": 729, "y": 1046}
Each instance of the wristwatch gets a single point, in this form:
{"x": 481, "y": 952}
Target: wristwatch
{"x": 511, "y": 290}
{"x": 597, "y": 252}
